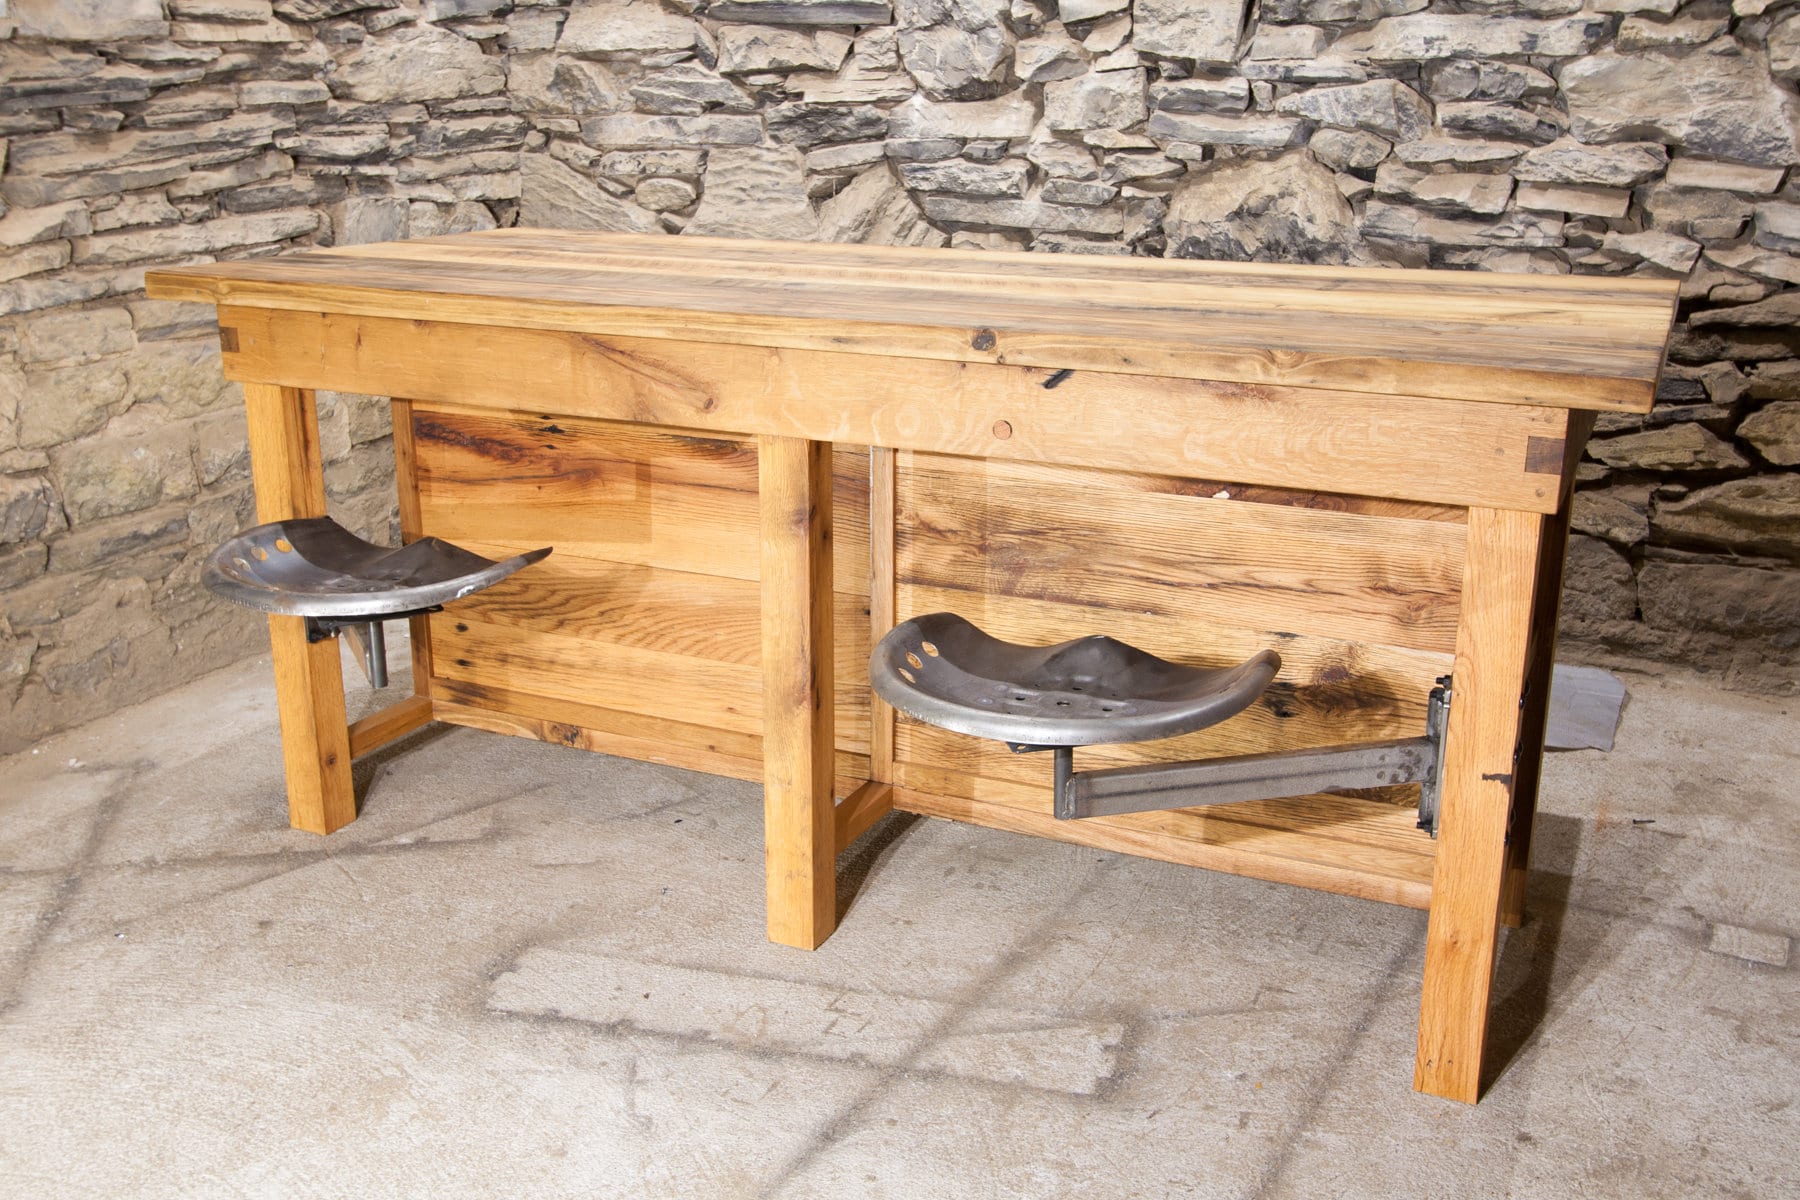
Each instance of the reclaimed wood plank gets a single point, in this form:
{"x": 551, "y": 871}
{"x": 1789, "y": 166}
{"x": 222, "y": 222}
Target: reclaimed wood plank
{"x": 1416, "y": 448}
{"x": 1465, "y": 335}
{"x": 799, "y": 823}
{"x": 286, "y": 467}
{"x": 1480, "y": 775}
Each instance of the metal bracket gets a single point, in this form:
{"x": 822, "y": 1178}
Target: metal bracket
{"x": 1160, "y": 786}
{"x": 369, "y": 635}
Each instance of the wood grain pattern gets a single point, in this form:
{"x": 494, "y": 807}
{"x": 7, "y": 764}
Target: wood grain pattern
{"x": 1546, "y": 613}
{"x": 390, "y": 724}
{"x": 1413, "y": 448}
{"x": 1101, "y": 539}
{"x": 1584, "y": 342}
{"x": 285, "y": 465}
{"x": 882, "y": 615}
{"x": 799, "y": 820}
{"x": 412, "y": 524}
{"x": 623, "y": 734}
{"x": 1283, "y": 853}
{"x": 861, "y": 809}
{"x": 1479, "y": 776}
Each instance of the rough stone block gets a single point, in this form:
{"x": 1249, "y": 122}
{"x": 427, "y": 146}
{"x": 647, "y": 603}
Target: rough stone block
{"x": 744, "y": 49}
{"x": 23, "y": 226}
{"x": 1242, "y": 210}
{"x": 1455, "y": 192}
{"x": 873, "y": 208}
{"x": 28, "y": 506}
{"x": 755, "y": 192}
{"x": 631, "y": 130}
{"x": 556, "y": 196}
{"x": 1032, "y": 213}
{"x": 34, "y": 260}
{"x": 75, "y": 335}
{"x": 1052, "y": 54}
{"x": 1758, "y": 515}
{"x": 1010, "y": 116}
{"x": 971, "y": 179}
{"x": 1575, "y": 199}
{"x": 622, "y": 26}
{"x": 803, "y": 12}
{"x": 1205, "y": 31}
{"x": 419, "y": 62}
{"x": 62, "y": 403}
{"x": 89, "y": 20}
{"x": 1097, "y": 100}
{"x": 222, "y": 233}
{"x": 1382, "y": 106}
{"x": 1474, "y": 35}
{"x": 1775, "y": 432}
{"x": 1207, "y": 129}
{"x": 1719, "y": 104}
{"x": 182, "y": 376}
{"x": 132, "y": 466}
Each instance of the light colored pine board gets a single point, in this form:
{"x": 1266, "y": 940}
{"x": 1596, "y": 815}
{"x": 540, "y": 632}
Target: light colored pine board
{"x": 406, "y": 485}
{"x": 610, "y": 491}
{"x": 1500, "y": 574}
{"x": 1540, "y": 667}
{"x": 1454, "y": 334}
{"x": 390, "y": 723}
{"x": 861, "y": 809}
{"x": 622, "y": 734}
{"x": 799, "y": 819}
{"x": 1413, "y": 448}
{"x": 881, "y": 605}
{"x": 1215, "y": 844}
{"x": 994, "y": 528}
{"x": 627, "y": 678}
{"x": 285, "y": 465}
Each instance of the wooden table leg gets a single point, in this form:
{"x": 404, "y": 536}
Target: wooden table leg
{"x": 799, "y": 820}
{"x": 309, "y": 680}
{"x": 1499, "y": 582}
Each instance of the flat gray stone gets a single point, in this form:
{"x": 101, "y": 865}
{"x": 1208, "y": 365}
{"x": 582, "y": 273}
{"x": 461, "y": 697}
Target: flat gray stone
{"x": 1476, "y": 35}
{"x": 1096, "y": 100}
{"x": 803, "y": 12}
{"x": 623, "y": 27}
{"x": 873, "y": 208}
{"x": 755, "y": 191}
{"x": 1010, "y": 116}
{"x": 1716, "y": 103}
{"x": 1288, "y": 209}
{"x": 1382, "y": 106}
{"x": 744, "y": 49}
{"x": 1205, "y": 31}
{"x": 553, "y": 195}
{"x": 419, "y": 62}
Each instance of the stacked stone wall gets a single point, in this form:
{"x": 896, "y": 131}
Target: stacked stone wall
{"x": 1607, "y": 136}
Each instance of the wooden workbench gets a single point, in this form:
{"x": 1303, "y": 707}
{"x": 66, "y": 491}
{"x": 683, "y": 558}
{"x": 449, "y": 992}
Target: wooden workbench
{"x": 752, "y": 456}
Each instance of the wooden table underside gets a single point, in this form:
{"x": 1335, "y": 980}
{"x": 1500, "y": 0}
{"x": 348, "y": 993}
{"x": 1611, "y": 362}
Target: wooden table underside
{"x": 738, "y": 512}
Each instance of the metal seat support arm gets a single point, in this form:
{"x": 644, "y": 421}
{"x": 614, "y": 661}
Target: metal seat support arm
{"x": 1117, "y": 790}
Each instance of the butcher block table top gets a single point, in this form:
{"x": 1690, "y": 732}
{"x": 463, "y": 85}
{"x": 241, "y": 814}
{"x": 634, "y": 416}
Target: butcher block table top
{"x": 755, "y": 458}
{"x": 1564, "y": 341}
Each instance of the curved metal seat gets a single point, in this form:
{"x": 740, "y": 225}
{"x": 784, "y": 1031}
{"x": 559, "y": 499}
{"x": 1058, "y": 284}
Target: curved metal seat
{"x": 314, "y": 567}
{"x": 943, "y": 670}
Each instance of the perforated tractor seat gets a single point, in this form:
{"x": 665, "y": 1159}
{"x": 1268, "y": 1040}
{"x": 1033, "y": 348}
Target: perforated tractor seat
{"x": 943, "y": 670}
{"x": 314, "y": 567}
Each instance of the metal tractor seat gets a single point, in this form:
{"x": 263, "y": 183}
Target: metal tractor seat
{"x": 315, "y": 568}
{"x": 943, "y": 670}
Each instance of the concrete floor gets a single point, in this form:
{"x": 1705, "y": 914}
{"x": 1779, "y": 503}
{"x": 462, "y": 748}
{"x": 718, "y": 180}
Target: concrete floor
{"x": 531, "y": 971}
